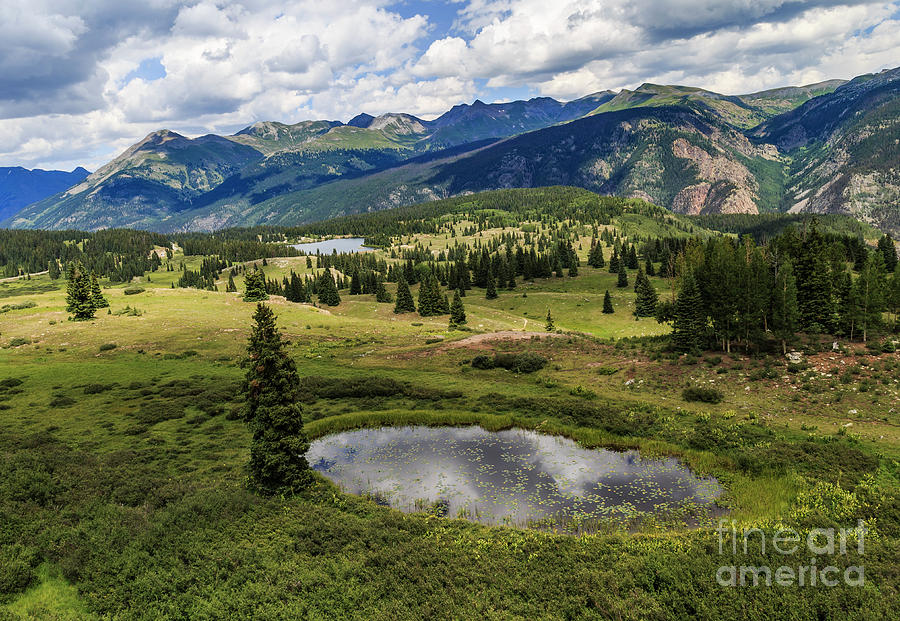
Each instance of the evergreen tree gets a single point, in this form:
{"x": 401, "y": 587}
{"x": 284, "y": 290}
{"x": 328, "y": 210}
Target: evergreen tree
{"x": 230, "y": 287}
{"x": 405, "y": 302}
{"x": 614, "y": 261}
{"x": 549, "y": 327}
{"x": 689, "y": 321}
{"x": 97, "y": 298}
{"x": 79, "y": 300}
{"x": 355, "y": 284}
{"x": 785, "y": 313}
{"x": 607, "y": 303}
{"x": 645, "y": 302}
{"x": 491, "y": 291}
{"x": 255, "y": 286}
{"x": 272, "y": 410}
{"x": 53, "y": 269}
{"x": 595, "y": 256}
{"x": 631, "y": 260}
{"x": 457, "y": 311}
{"x": 814, "y": 283}
{"x": 327, "y": 289}
{"x": 623, "y": 276}
{"x": 381, "y": 293}
{"x": 648, "y": 268}
{"x": 431, "y": 302}
{"x": 888, "y": 251}
{"x": 870, "y": 293}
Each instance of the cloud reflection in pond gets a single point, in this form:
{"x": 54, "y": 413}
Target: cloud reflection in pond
{"x": 513, "y": 476}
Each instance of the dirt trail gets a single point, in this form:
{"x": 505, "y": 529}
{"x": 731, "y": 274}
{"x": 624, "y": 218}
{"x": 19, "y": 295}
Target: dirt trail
{"x": 503, "y": 335}
{"x": 12, "y": 278}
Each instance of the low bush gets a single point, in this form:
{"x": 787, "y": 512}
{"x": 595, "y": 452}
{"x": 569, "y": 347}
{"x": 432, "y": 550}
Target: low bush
{"x": 134, "y": 290}
{"x": 21, "y": 306}
{"x": 704, "y": 395}
{"x": 108, "y": 346}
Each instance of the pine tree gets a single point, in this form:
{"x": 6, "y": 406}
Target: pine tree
{"x": 255, "y": 286}
{"x": 231, "y": 287}
{"x": 491, "y": 290}
{"x": 79, "y": 300}
{"x": 548, "y": 326}
{"x": 457, "y": 311}
{"x": 405, "y": 303}
{"x": 272, "y": 410}
{"x": 327, "y": 289}
{"x": 381, "y": 293}
{"x": 888, "y": 251}
{"x": 355, "y": 284}
{"x": 645, "y": 302}
{"x": 689, "y": 320}
{"x": 431, "y": 301}
{"x": 623, "y": 276}
{"x": 785, "y": 314}
{"x": 607, "y": 304}
{"x": 53, "y": 269}
{"x": 614, "y": 261}
{"x": 870, "y": 293}
{"x": 97, "y": 298}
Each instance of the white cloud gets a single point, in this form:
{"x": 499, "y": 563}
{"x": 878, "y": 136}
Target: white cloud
{"x": 68, "y": 94}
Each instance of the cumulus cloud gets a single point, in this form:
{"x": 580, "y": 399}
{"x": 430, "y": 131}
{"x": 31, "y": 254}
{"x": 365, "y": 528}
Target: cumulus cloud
{"x": 71, "y": 91}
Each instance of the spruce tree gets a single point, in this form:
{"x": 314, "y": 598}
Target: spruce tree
{"x": 785, "y": 314}
{"x": 888, "y": 251}
{"x": 405, "y": 302}
{"x": 79, "y": 300}
{"x": 381, "y": 293}
{"x": 607, "y": 303}
{"x": 327, "y": 289}
{"x": 645, "y": 302}
{"x": 231, "y": 287}
{"x": 355, "y": 284}
{"x": 491, "y": 290}
{"x": 272, "y": 411}
{"x": 53, "y": 269}
{"x": 457, "y": 311}
{"x": 689, "y": 320}
{"x": 870, "y": 293}
{"x": 97, "y": 298}
{"x": 623, "y": 276}
{"x": 548, "y": 326}
{"x": 431, "y": 301}
{"x": 255, "y": 286}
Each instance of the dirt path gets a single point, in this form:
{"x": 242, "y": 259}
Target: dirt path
{"x": 12, "y": 278}
{"x": 503, "y": 335}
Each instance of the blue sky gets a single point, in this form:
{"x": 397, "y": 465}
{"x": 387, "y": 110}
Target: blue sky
{"x": 81, "y": 80}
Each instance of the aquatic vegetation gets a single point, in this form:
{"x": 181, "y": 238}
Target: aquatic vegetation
{"x": 513, "y": 477}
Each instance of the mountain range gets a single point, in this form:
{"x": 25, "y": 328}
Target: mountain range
{"x": 830, "y": 147}
{"x": 20, "y": 187}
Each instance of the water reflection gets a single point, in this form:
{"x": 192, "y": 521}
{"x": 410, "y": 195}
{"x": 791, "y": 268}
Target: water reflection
{"x": 343, "y": 244}
{"x": 514, "y": 476}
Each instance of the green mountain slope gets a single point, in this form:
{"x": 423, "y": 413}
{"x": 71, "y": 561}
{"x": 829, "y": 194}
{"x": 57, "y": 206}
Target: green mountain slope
{"x": 844, "y": 150}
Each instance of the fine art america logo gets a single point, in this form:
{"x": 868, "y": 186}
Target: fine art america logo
{"x": 820, "y": 546}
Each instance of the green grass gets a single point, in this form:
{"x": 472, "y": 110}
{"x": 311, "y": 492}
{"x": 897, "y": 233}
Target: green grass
{"x": 52, "y": 598}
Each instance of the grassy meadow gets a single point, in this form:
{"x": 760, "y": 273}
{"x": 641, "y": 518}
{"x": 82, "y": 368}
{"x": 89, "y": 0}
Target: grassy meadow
{"x": 123, "y": 484}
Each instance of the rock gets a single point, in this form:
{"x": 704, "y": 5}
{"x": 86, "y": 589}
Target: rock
{"x": 794, "y": 356}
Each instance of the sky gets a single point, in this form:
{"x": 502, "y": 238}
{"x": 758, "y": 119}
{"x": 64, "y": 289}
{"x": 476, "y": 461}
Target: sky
{"x": 81, "y": 80}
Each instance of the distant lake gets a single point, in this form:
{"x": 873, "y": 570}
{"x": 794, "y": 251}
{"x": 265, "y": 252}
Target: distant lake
{"x": 514, "y": 477}
{"x": 343, "y": 244}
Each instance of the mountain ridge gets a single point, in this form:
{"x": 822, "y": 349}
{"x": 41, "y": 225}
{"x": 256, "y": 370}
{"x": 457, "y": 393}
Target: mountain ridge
{"x": 685, "y": 148}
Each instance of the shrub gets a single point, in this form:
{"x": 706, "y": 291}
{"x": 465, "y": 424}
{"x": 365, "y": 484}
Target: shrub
{"x": 93, "y": 389}
{"x": 108, "y": 346}
{"x": 607, "y": 370}
{"x": 61, "y": 401}
{"x": 483, "y": 362}
{"x": 10, "y": 382}
{"x": 134, "y": 290}
{"x": 705, "y": 395}
{"x": 11, "y": 307}
{"x": 19, "y": 341}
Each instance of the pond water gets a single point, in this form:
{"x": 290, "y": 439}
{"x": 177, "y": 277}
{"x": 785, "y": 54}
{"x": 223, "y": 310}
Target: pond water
{"x": 515, "y": 477}
{"x": 342, "y": 244}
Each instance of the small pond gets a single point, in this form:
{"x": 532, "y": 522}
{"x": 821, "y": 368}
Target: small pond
{"x": 342, "y": 244}
{"x": 515, "y": 477}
